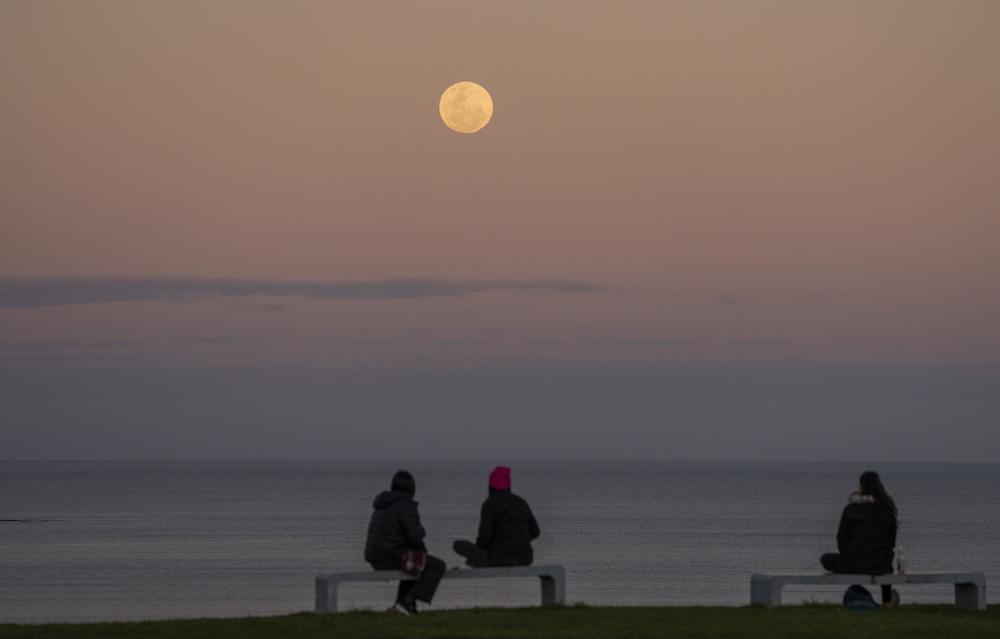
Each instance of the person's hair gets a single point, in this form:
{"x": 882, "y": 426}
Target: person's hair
{"x": 871, "y": 484}
{"x": 403, "y": 482}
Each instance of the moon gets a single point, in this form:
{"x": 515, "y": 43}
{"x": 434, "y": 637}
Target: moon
{"x": 466, "y": 107}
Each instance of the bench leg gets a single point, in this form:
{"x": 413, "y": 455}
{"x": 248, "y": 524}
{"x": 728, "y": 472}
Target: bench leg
{"x": 764, "y": 591}
{"x": 326, "y": 595}
{"x": 970, "y": 596}
{"x": 553, "y": 590}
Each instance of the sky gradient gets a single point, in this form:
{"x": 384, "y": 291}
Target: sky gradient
{"x": 775, "y": 222}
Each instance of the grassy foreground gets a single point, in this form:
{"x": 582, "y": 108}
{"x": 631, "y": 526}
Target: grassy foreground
{"x": 815, "y": 622}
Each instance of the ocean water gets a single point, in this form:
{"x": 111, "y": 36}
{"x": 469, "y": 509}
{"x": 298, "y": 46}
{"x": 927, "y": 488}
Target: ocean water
{"x": 89, "y": 541}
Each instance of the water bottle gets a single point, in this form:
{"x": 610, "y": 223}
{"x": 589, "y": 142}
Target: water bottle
{"x": 900, "y": 563}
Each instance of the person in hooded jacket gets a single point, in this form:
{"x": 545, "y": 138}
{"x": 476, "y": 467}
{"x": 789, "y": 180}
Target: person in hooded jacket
{"x": 394, "y": 530}
{"x": 867, "y": 535}
{"x": 506, "y": 528}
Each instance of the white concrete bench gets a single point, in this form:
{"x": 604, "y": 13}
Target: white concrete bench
{"x": 552, "y": 578}
{"x": 970, "y": 587}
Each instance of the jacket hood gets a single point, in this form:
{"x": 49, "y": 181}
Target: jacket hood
{"x": 387, "y": 498}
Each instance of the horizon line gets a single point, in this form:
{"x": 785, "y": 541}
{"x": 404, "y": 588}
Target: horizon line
{"x": 494, "y": 460}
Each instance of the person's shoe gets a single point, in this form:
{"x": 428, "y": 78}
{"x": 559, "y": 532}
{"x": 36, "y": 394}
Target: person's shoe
{"x": 399, "y": 609}
{"x": 893, "y": 600}
{"x": 410, "y": 607}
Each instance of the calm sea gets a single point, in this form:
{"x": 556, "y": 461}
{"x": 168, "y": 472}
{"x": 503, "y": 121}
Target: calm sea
{"x": 138, "y": 540}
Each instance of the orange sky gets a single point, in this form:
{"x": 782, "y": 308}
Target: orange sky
{"x": 751, "y": 180}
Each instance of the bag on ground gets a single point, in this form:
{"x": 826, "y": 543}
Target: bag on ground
{"x": 858, "y": 598}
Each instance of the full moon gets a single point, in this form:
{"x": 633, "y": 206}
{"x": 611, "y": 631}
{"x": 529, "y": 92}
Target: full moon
{"x": 466, "y": 107}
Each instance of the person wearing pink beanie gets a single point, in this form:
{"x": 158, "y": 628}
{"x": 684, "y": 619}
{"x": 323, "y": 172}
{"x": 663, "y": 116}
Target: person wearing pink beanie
{"x": 506, "y": 528}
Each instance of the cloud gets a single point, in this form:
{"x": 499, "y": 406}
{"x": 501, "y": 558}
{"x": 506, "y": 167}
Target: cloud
{"x": 811, "y": 297}
{"x": 35, "y": 345}
{"x": 738, "y": 299}
{"x": 239, "y": 306}
{"x": 18, "y": 352}
{"x": 804, "y": 298}
{"x": 61, "y": 291}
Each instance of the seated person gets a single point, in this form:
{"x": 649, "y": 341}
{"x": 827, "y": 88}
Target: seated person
{"x": 394, "y": 530}
{"x": 506, "y": 528}
{"x": 867, "y": 535}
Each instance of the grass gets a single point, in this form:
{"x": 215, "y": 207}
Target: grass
{"x": 814, "y": 622}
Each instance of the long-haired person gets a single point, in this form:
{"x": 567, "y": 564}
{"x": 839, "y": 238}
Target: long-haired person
{"x": 867, "y": 535}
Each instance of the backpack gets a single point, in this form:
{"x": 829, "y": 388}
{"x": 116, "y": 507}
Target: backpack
{"x": 858, "y": 598}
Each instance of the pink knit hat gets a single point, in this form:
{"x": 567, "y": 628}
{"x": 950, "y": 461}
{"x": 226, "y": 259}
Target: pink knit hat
{"x": 500, "y": 478}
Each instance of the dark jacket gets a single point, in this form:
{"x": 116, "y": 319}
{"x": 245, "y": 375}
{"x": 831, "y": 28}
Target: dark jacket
{"x": 394, "y": 528}
{"x": 866, "y": 539}
{"x": 506, "y": 528}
